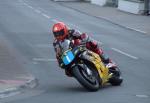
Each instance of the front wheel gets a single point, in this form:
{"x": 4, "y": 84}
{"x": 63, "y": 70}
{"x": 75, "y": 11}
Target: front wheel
{"x": 87, "y": 77}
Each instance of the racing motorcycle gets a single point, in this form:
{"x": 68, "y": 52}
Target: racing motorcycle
{"x": 87, "y": 67}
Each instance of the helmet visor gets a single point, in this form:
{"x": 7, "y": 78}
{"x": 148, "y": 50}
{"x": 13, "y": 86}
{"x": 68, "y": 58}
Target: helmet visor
{"x": 59, "y": 33}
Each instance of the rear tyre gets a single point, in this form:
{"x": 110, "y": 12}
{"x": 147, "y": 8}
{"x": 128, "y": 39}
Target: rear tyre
{"x": 91, "y": 83}
{"x": 116, "y": 79}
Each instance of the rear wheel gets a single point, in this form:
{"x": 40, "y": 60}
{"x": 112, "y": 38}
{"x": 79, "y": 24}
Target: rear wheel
{"x": 116, "y": 79}
{"x": 87, "y": 77}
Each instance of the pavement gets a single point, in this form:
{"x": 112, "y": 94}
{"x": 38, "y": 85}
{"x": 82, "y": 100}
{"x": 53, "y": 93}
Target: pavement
{"x": 139, "y": 23}
{"x": 13, "y": 76}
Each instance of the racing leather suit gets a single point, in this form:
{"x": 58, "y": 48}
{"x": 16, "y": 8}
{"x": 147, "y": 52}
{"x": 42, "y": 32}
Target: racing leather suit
{"x": 78, "y": 38}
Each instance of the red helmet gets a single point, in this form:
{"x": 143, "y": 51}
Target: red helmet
{"x": 60, "y": 31}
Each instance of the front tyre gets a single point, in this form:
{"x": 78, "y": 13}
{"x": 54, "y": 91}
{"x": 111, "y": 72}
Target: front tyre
{"x": 90, "y": 81}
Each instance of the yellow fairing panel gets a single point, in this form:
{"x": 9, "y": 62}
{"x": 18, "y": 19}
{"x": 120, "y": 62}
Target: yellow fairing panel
{"x": 103, "y": 71}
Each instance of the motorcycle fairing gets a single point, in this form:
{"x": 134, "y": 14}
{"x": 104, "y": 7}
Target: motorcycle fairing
{"x": 67, "y": 57}
{"x": 96, "y": 60}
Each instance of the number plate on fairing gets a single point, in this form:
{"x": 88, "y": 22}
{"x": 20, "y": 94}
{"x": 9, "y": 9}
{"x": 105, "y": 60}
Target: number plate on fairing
{"x": 67, "y": 57}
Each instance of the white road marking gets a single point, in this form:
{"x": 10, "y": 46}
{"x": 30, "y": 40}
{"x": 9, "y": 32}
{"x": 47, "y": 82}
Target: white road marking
{"x": 42, "y": 9}
{"x": 29, "y": 77}
{"x": 38, "y": 11}
{"x": 9, "y": 95}
{"x": 35, "y": 62}
{"x": 137, "y": 30}
{"x": 46, "y": 16}
{"x": 29, "y": 6}
{"x": 55, "y": 20}
{"x": 119, "y": 51}
{"x": 44, "y": 60}
{"x": 142, "y": 96}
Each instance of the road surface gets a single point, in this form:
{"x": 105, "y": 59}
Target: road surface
{"x": 26, "y": 24}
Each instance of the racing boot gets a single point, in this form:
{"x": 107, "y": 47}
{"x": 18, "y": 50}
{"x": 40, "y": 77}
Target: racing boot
{"x": 109, "y": 64}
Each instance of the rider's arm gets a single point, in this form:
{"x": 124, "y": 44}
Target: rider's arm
{"x": 81, "y": 36}
{"x": 75, "y": 34}
{"x": 85, "y": 39}
{"x": 57, "y": 51}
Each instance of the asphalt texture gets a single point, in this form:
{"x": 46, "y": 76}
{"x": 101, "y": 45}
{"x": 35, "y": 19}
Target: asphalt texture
{"x": 13, "y": 74}
{"x": 26, "y": 24}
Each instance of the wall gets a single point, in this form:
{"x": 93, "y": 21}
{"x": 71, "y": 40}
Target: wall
{"x": 131, "y": 6}
{"x": 99, "y": 2}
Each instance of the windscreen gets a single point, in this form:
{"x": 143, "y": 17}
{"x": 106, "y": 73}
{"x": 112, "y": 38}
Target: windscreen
{"x": 65, "y": 45}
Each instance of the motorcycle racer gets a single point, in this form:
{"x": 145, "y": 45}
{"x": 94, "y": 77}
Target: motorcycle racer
{"x": 62, "y": 32}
